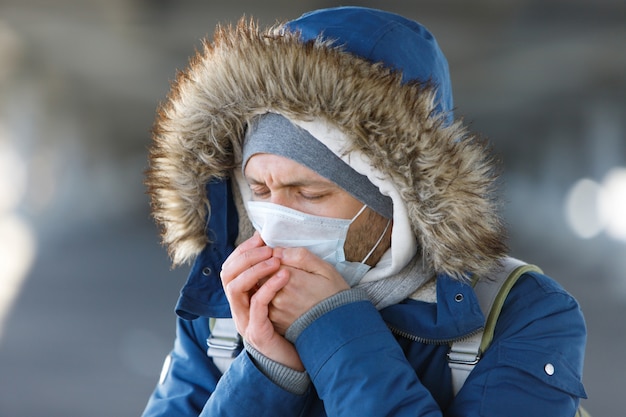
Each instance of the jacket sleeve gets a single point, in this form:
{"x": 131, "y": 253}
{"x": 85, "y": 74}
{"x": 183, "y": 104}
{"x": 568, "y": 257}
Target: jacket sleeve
{"x": 191, "y": 384}
{"x": 245, "y": 391}
{"x": 358, "y": 368}
{"x": 534, "y": 364}
{"x": 533, "y": 367}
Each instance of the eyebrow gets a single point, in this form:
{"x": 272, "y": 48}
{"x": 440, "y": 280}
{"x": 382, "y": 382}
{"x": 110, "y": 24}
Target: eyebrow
{"x": 297, "y": 183}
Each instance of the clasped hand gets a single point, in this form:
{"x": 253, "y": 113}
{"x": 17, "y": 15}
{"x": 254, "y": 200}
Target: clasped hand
{"x": 269, "y": 288}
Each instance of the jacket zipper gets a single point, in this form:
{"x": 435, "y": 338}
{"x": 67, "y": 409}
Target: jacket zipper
{"x": 419, "y": 339}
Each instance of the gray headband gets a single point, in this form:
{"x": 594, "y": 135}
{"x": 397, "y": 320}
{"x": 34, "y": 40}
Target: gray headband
{"x": 275, "y": 134}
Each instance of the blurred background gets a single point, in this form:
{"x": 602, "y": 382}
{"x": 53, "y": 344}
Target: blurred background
{"x": 86, "y": 291}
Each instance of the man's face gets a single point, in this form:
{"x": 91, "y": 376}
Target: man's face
{"x": 280, "y": 180}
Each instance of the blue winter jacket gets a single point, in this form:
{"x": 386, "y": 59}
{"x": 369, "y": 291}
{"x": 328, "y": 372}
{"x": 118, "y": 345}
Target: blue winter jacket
{"x": 363, "y": 362}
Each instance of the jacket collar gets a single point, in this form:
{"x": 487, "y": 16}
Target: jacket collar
{"x": 455, "y": 315}
{"x": 203, "y": 295}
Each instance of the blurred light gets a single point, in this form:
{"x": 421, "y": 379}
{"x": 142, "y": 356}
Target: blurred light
{"x": 17, "y": 250}
{"x": 17, "y": 242}
{"x": 612, "y": 203}
{"x": 592, "y": 208}
{"x": 581, "y": 209}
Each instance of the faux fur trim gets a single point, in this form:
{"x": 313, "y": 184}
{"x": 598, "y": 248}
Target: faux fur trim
{"x": 445, "y": 175}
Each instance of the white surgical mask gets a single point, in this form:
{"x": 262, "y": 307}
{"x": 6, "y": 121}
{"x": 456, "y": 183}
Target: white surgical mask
{"x": 280, "y": 226}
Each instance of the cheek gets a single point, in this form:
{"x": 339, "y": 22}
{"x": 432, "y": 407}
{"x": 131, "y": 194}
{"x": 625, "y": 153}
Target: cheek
{"x": 345, "y": 207}
{"x": 329, "y": 206}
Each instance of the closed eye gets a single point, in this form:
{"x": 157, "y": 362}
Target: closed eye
{"x": 311, "y": 196}
{"x": 260, "y": 193}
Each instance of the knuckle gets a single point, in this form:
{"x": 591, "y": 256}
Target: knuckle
{"x": 257, "y": 301}
{"x": 278, "y": 302}
{"x": 224, "y": 277}
{"x": 228, "y": 289}
{"x": 300, "y": 254}
{"x": 233, "y": 288}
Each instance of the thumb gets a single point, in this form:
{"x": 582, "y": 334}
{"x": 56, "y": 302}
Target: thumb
{"x": 303, "y": 259}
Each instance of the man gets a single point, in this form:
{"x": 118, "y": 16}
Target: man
{"x": 333, "y": 137}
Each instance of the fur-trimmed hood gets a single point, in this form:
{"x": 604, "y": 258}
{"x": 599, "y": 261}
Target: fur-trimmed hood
{"x": 444, "y": 175}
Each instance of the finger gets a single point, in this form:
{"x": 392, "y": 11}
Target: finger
{"x": 235, "y": 265}
{"x": 248, "y": 279}
{"x": 266, "y": 293}
{"x": 260, "y": 302}
{"x": 253, "y": 242}
{"x": 303, "y": 259}
{"x": 238, "y": 290}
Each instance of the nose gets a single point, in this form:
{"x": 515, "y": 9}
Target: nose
{"x": 279, "y": 198}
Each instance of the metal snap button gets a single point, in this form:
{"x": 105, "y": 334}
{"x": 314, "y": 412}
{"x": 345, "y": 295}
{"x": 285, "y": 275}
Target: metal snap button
{"x": 549, "y": 369}
{"x": 206, "y": 271}
{"x": 458, "y": 298}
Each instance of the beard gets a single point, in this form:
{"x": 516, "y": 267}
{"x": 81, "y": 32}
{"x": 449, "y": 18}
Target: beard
{"x": 363, "y": 235}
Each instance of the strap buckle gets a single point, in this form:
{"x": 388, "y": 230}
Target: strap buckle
{"x": 222, "y": 347}
{"x": 466, "y": 352}
{"x": 463, "y": 358}
{"x": 224, "y": 341}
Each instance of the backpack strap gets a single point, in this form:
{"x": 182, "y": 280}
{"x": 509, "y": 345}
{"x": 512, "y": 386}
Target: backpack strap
{"x": 224, "y": 343}
{"x": 491, "y": 292}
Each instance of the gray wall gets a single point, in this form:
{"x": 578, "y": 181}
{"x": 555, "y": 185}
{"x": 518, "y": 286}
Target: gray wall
{"x": 86, "y": 292}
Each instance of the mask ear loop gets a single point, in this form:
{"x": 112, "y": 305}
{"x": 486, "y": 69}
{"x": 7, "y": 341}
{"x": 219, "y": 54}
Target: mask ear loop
{"x": 359, "y": 213}
{"x": 377, "y": 242}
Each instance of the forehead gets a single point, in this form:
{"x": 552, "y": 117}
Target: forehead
{"x": 265, "y": 167}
